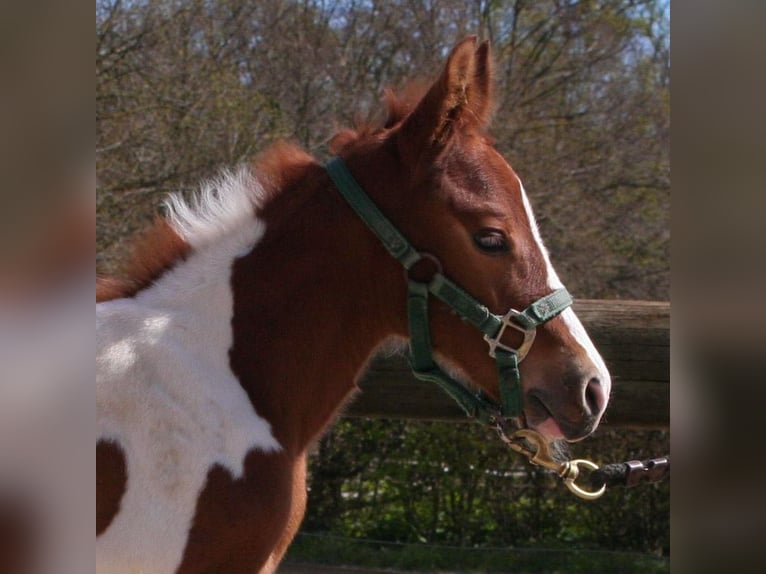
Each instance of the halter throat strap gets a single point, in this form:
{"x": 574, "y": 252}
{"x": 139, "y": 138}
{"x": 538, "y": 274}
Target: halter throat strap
{"x": 422, "y": 362}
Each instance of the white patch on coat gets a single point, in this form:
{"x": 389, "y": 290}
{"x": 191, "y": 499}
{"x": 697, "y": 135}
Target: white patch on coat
{"x": 164, "y": 389}
{"x": 570, "y": 319}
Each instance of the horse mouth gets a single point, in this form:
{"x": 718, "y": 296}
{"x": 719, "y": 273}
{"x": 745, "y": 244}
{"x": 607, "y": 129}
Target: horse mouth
{"x": 540, "y": 417}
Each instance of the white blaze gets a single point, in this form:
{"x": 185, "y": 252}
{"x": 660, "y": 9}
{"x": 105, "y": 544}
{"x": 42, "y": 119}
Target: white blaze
{"x": 570, "y": 319}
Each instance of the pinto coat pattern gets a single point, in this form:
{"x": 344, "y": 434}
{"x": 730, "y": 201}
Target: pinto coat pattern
{"x": 252, "y": 311}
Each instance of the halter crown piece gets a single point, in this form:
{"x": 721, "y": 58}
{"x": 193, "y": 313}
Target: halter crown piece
{"x": 476, "y": 404}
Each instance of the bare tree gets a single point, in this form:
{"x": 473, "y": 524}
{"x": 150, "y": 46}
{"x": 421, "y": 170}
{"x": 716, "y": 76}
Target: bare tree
{"x": 186, "y": 87}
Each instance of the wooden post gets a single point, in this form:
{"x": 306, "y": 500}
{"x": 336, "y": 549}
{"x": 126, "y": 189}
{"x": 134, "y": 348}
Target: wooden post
{"x": 632, "y": 336}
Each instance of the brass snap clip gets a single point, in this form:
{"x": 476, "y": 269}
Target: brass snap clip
{"x": 541, "y": 456}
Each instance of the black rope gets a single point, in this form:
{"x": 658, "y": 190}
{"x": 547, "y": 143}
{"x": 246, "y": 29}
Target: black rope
{"x": 631, "y": 473}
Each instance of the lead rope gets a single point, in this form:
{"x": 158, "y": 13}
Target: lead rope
{"x": 631, "y": 473}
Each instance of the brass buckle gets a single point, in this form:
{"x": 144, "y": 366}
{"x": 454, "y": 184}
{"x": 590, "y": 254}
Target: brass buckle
{"x": 494, "y": 342}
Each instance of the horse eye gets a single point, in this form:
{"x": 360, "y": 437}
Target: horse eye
{"x": 491, "y": 241}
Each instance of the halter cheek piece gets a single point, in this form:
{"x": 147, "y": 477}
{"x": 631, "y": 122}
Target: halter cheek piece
{"x": 424, "y": 367}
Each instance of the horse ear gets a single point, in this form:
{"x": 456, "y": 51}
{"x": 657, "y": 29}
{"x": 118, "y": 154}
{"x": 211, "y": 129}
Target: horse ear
{"x": 460, "y": 98}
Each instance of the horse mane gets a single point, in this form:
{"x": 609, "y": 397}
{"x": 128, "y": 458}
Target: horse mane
{"x": 224, "y": 204}
{"x": 397, "y": 106}
{"x": 155, "y": 251}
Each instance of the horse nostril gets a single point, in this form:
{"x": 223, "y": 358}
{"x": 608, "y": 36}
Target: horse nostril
{"x": 594, "y": 396}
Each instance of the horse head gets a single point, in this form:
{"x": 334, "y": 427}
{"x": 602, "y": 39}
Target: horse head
{"x": 434, "y": 171}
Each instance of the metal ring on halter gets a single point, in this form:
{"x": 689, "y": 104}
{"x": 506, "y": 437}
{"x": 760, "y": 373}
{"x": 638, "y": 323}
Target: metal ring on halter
{"x": 425, "y": 256}
{"x": 571, "y": 471}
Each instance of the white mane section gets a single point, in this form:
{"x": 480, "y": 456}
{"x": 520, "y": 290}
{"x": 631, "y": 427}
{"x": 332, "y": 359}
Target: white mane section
{"x": 224, "y": 206}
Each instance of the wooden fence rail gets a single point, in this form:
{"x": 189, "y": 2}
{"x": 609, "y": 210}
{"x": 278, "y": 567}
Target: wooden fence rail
{"x": 632, "y": 336}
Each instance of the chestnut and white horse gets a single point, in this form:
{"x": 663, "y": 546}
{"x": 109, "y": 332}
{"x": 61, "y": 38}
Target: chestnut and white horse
{"x": 247, "y": 315}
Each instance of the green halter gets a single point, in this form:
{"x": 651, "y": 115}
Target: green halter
{"x": 424, "y": 367}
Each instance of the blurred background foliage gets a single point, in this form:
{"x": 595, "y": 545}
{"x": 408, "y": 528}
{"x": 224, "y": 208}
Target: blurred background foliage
{"x": 457, "y": 484}
{"x": 185, "y": 87}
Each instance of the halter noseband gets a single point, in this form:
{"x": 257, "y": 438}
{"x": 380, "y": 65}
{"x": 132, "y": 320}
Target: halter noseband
{"x": 424, "y": 367}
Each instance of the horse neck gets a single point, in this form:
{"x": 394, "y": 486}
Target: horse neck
{"x": 311, "y": 303}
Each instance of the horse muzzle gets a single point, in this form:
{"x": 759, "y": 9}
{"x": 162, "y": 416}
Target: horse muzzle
{"x": 572, "y": 414}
